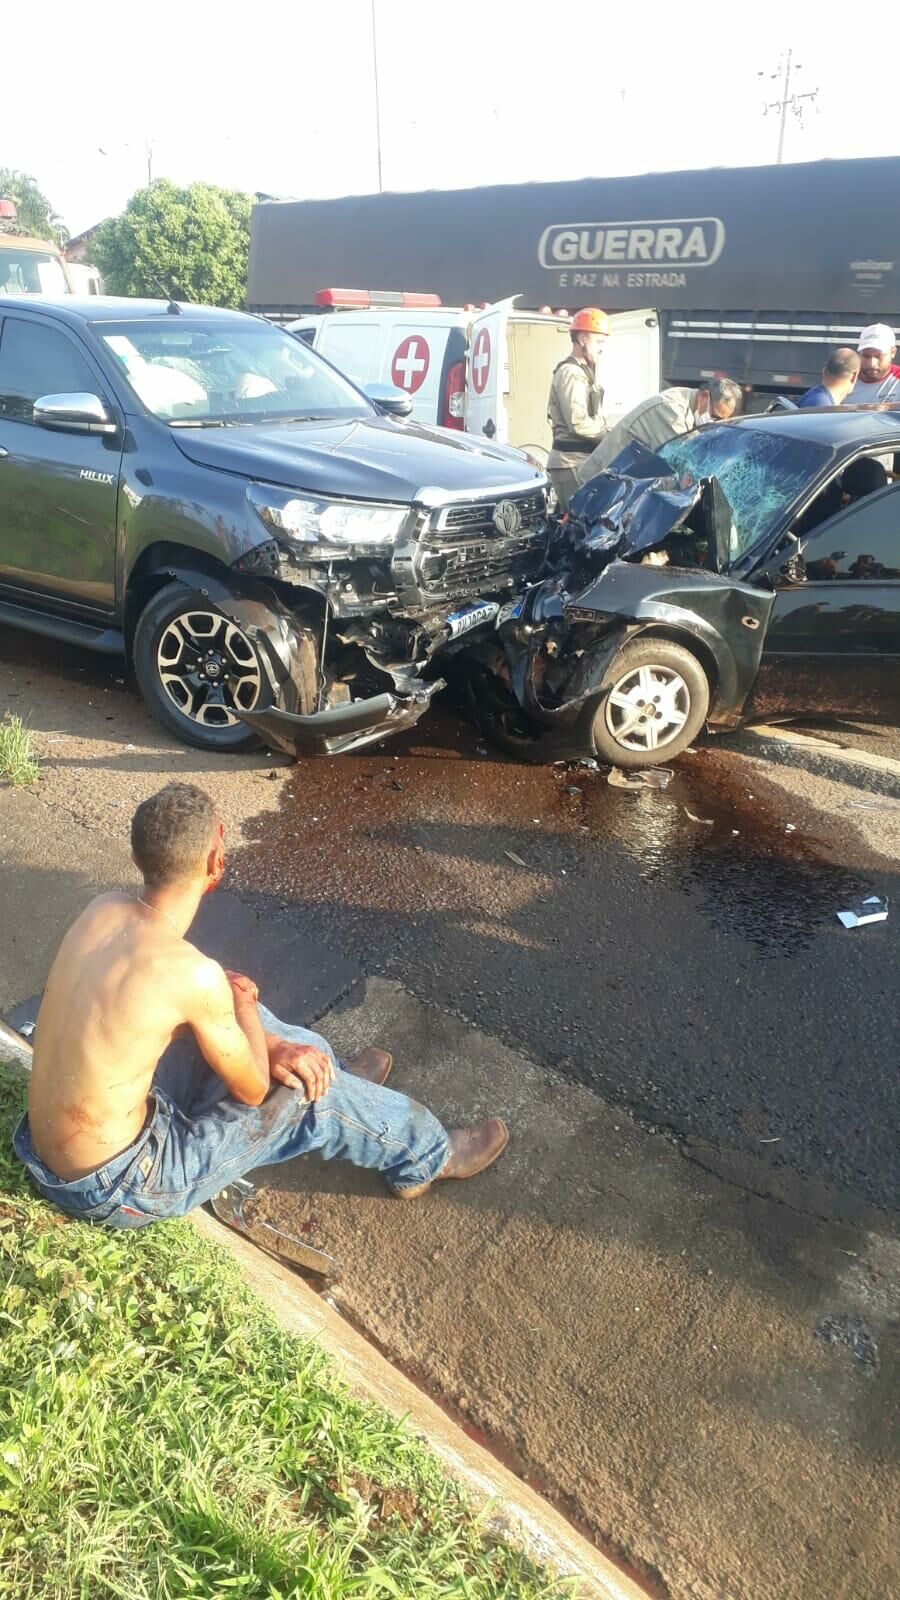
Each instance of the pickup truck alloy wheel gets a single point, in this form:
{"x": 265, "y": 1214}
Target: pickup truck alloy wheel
{"x": 197, "y": 668}
{"x": 654, "y": 702}
{"x": 207, "y": 667}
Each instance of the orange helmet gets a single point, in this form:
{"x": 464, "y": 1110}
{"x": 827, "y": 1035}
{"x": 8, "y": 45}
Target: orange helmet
{"x": 590, "y": 320}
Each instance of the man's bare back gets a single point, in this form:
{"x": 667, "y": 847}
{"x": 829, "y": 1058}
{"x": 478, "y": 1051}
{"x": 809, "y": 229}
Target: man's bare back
{"x": 121, "y": 986}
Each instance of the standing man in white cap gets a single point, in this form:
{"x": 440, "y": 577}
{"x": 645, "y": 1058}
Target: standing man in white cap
{"x": 879, "y": 379}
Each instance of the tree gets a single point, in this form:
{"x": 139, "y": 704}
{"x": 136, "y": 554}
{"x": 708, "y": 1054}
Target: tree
{"x": 35, "y": 213}
{"x": 183, "y": 244}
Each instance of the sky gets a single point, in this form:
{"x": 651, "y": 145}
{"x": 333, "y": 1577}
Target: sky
{"x": 281, "y": 99}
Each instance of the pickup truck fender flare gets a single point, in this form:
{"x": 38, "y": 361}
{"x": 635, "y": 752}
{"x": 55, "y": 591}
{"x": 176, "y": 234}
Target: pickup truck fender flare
{"x": 256, "y": 609}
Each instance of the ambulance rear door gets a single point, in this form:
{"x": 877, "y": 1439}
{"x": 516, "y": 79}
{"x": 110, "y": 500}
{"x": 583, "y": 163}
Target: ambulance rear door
{"x": 487, "y": 372}
{"x": 630, "y": 364}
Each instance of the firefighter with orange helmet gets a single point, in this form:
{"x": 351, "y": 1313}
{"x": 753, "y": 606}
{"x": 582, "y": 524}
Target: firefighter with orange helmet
{"x": 575, "y": 406}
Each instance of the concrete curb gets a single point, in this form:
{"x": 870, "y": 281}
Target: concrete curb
{"x": 516, "y": 1513}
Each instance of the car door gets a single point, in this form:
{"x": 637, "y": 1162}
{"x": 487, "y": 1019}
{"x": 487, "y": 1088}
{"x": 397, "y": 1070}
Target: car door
{"x": 58, "y": 491}
{"x": 833, "y": 641}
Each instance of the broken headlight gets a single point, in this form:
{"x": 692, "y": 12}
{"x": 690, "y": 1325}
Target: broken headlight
{"x": 311, "y": 520}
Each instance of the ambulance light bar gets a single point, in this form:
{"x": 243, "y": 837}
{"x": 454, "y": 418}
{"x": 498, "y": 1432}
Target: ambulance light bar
{"x": 375, "y": 297}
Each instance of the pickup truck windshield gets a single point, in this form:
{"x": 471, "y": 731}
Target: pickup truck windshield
{"x": 761, "y": 473}
{"x": 193, "y": 373}
{"x": 30, "y": 272}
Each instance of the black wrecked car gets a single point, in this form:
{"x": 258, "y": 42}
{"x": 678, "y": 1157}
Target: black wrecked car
{"x": 275, "y": 552}
{"x": 749, "y": 570}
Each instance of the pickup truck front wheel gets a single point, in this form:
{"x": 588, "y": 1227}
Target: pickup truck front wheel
{"x": 196, "y": 668}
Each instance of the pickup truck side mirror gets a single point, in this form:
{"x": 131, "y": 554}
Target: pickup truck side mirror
{"x": 73, "y": 413}
{"x": 388, "y": 400}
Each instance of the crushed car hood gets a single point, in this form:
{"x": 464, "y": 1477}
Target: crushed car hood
{"x": 368, "y": 458}
{"x": 634, "y": 509}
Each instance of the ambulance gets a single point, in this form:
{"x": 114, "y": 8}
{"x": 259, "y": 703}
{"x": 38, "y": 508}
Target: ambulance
{"x": 480, "y": 369}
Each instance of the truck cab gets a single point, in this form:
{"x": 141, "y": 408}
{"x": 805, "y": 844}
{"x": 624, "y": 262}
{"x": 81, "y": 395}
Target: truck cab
{"x": 27, "y": 265}
{"x": 480, "y": 370}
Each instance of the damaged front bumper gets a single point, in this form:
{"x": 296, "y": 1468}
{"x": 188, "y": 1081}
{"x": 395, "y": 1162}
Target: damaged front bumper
{"x": 344, "y": 728}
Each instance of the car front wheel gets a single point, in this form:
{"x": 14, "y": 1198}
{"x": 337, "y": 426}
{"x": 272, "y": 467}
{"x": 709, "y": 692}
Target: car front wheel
{"x": 654, "y": 700}
{"x": 197, "y": 669}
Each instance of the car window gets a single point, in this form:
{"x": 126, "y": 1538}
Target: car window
{"x": 35, "y": 360}
{"x": 30, "y": 272}
{"x": 861, "y": 542}
{"x": 194, "y": 373}
{"x": 762, "y": 473}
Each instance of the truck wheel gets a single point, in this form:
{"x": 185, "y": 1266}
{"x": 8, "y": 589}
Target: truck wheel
{"x": 654, "y": 700}
{"x": 196, "y": 667}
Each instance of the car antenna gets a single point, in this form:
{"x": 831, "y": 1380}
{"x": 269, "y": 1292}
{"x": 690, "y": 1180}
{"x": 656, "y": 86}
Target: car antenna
{"x": 172, "y": 307}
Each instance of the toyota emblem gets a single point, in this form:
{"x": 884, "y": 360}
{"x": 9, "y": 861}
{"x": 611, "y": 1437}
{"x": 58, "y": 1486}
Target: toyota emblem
{"x": 507, "y": 517}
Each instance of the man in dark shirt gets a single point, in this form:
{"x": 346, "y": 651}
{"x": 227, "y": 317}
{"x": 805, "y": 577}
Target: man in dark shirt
{"x": 839, "y": 374}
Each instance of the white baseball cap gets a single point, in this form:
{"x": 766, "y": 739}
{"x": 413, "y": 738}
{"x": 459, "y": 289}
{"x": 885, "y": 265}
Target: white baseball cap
{"x": 878, "y": 336}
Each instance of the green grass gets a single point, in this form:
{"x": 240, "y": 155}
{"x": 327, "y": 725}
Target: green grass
{"x": 162, "y": 1439}
{"x": 17, "y": 762}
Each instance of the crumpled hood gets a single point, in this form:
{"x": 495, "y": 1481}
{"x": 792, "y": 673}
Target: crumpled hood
{"x": 367, "y": 458}
{"x": 634, "y": 509}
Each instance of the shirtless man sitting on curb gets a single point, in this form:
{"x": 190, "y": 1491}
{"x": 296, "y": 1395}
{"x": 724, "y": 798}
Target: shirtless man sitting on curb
{"x": 114, "y": 1135}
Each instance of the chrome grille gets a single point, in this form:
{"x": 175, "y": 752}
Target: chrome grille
{"x": 466, "y": 568}
{"x": 478, "y": 516}
{"x": 459, "y": 553}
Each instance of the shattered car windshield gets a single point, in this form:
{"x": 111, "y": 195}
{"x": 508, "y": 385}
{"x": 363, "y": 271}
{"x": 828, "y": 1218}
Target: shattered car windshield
{"x": 761, "y": 474}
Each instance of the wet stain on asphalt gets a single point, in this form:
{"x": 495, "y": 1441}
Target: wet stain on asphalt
{"x": 692, "y": 971}
{"x": 365, "y": 830}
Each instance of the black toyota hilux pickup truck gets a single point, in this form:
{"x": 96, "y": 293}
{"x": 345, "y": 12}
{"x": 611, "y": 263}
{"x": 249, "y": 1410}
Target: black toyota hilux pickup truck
{"x": 199, "y": 491}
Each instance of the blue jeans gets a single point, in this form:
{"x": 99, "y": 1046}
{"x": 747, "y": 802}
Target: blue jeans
{"x": 197, "y": 1139}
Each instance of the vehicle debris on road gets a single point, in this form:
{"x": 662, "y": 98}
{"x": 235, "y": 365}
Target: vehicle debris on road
{"x": 517, "y": 859}
{"x": 652, "y": 778}
{"x": 873, "y": 909}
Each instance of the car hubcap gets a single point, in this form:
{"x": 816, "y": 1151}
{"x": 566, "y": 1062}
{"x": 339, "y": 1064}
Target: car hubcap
{"x": 208, "y": 668}
{"x": 647, "y": 708}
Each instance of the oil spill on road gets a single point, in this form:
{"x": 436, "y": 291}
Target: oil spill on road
{"x": 694, "y": 974}
{"x": 435, "y": 824}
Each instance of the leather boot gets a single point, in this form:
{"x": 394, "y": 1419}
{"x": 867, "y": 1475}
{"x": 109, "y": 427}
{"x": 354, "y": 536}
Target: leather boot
{"x": 372, "y": 1064}
{"x": 471, "y": 1151}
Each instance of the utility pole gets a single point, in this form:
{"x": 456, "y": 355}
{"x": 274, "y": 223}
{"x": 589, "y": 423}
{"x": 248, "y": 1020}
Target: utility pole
{"x": 377, "y": 96}
{"x": 149, "y": 162}
{"x": 787, "y": 102}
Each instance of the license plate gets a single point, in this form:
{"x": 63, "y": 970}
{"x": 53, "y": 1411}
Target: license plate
{"x": 511, "y": 611}
{"x": 464, "y": 621}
